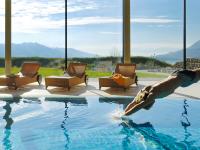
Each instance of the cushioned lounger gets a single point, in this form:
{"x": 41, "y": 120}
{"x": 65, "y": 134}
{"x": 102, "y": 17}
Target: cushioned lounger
{"x": 28, "y": 74}
{"x": 75, "y": 74}
{"x": 126, "y": 70}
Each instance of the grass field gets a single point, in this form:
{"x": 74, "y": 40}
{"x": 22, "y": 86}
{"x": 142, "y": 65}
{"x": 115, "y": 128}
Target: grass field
{"x": 92, "y": 74}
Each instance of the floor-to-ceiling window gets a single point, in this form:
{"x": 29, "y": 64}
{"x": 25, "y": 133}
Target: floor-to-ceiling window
{"x": 193, "y": 22}
{"x": 157, "y": 29}
{"x": 38, "y": 30}
{"x": 94, "y": 30}
{"x": 193, "y": 34}
{"x": 2, "y": 33}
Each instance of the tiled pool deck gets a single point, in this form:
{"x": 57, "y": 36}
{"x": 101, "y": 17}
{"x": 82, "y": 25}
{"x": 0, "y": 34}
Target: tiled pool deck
{"x": 35, "y": 91}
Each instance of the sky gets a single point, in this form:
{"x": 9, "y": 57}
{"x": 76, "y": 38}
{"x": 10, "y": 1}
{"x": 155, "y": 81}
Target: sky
{"x": 41, "y": 21}
{"x": 95, "y": 26}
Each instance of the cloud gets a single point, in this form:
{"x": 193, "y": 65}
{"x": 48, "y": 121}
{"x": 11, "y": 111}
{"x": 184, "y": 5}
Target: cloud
{"x": 157, "y": 45}
{"x": 80, "y": 5}
{"x": 154, "y": 20}
{"x": 92, "y": 20}
{"x": 35, "y": 16}
{"x": 79, "y": 21}
{"x": 111, "y": 33}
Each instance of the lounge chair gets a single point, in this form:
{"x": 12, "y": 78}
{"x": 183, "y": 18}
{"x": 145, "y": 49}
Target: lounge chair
{"x": 74, "y": 75}
{"x": 128, "y": 73}
{"x": 28, "y": 74}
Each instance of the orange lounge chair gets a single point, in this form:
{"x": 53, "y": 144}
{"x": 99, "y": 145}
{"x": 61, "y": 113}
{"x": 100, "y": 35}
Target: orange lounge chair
{"x": 28, "y": 74}
{"x": 75, "y": 75}
{"x": 126, "y": 75}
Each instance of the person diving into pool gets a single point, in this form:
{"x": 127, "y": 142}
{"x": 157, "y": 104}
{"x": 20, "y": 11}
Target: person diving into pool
{"x": 146, "y": 97}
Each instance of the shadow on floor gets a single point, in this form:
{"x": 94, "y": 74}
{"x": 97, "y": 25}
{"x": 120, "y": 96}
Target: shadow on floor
{"x": 89, "y": 90}
{"x": 132, "y": 91}
{"x": 75, "y": 90}
{"x": 21, "y": 90}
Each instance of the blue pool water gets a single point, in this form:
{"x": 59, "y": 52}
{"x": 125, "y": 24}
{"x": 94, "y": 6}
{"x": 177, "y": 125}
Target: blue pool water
{"x": 92, "y": 123}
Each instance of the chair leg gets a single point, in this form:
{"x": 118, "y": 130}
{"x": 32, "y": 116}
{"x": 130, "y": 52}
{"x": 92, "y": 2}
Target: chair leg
{"x": 86, "y": 80}
{"x": 68, "y": 88}
{"x": 12, "y": 87}
{"x": 39, "y": 79}
{"x": 136, "y": 80}
{"x": 15, "y": 87}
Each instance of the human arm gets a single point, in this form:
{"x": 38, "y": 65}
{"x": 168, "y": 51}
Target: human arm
{"x": 146, "y": 97}
{"x": 134, "y": 106}
{"x": 162, "y": 89}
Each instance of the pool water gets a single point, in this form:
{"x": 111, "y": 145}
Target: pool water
{"x": 93, "y": 123}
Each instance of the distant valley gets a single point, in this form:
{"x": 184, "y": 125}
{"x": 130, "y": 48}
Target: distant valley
{"x": 39, "y": 50}
{"x": 192, "y": 52}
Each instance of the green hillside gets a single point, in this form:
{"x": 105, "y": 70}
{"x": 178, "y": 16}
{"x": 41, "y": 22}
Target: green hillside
{"x": 144, "y": 62}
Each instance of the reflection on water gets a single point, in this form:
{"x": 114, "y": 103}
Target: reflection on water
{"x": 185, "y": 121}
{"x": 7, "y": 143}
{"x": 76, "y": 102}
{"x": 65, "y": 131}
{"x": 147, "y": 133}
{"x": 148, "y": 136}
{"x": 7, "y": 131}
{"x": 186, "y": 124}
{"x": 9, "y": 121}
{"x": 131, "y": 134}
{"x": 122, "y": 101}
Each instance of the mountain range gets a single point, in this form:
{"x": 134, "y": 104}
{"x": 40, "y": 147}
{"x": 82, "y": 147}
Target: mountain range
{"x": 39, "y": 50}
{"x": 192, "y": 52}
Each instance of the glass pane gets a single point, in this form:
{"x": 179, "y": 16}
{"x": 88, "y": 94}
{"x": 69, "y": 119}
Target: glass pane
{"x": 193, "y": 32}
{"x": 157, "y": 31}
{"x": 94, "y": 30}
{"x": 39, "y": 31}
{"x": 2, "y": 36}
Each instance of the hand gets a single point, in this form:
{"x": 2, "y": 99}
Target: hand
{"x": 142, "y": 100}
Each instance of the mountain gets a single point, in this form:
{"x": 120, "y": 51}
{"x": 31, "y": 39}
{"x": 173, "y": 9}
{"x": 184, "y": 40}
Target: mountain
{"x": 192, "y": 52}
{"x": 71, "y": 52}
{"x": 39, "y": 50}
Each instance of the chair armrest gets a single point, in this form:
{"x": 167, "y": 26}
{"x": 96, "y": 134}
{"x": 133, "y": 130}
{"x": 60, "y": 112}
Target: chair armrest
{"x": 136, "y": 78}
{"x": 27, "y": 75}
{"x": 134, "y": 75}
{"x": 81, "y": 75}
{"x": 86, "y": 79}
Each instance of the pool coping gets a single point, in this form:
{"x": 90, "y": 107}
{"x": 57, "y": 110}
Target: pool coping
{"x": 71, "y": 97}
{"x": 9, "y": 97}
{"x": 33, "y": 91}
{"x": 185, "y": 95}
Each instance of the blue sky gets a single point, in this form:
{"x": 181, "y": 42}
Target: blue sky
{"x": 96, "y": 25}
{"x": 39, "y": 21}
